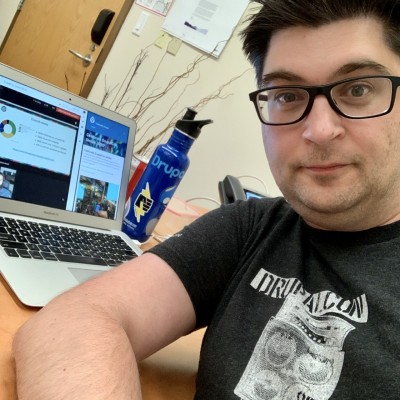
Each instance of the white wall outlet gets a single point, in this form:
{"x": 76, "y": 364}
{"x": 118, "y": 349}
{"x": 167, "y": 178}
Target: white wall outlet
{"x": 140, "y": 23}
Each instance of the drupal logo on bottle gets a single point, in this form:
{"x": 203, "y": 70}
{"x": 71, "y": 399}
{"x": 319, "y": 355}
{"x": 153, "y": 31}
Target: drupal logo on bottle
{"x": 168, "y": 169}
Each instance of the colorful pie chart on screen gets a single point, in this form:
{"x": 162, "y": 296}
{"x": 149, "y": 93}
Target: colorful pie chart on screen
{"x": 7, "y": 128}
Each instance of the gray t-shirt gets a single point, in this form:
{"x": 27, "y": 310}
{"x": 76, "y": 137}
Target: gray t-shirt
{"x": 292, "y": 312}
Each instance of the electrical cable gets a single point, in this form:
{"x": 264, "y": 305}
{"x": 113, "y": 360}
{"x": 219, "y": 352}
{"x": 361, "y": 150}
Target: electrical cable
{"x": 204, "y": 198}
{"x": 257, "y": 179}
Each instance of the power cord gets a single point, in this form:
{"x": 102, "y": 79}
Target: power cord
{"x": 204, "y": 198}
{"x": 257, "y": 179}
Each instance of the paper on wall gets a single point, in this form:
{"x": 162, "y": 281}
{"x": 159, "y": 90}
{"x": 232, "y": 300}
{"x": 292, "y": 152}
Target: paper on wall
{"x": 205, "y": 24}
{"x": 158, "y": 6}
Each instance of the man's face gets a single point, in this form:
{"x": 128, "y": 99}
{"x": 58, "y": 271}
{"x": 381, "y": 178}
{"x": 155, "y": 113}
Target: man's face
{"x": 338, "y": 173}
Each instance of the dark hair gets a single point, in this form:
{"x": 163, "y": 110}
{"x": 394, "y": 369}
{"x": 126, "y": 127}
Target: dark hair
{"x": 276, "y": 15}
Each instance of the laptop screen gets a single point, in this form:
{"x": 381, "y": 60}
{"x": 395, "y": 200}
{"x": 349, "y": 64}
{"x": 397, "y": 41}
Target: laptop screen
{"x": 56, "y": 154}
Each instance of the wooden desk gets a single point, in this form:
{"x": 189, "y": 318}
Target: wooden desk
{"x": 168, "y": 374}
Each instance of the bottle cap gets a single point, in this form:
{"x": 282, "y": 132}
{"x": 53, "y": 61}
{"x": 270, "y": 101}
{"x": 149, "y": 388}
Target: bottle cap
{"x": 189, "y": 126}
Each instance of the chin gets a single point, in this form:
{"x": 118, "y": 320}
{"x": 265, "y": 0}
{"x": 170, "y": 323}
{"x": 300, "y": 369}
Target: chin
{"x": 321, "y": 202}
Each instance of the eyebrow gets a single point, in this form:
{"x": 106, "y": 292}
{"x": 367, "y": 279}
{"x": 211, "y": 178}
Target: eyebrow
{"x": 361, "y": 65}
{"x": 281, "y": 74}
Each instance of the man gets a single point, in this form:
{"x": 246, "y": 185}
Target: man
{"x": 4, "y": 192}
{"x": 300, "y": 295}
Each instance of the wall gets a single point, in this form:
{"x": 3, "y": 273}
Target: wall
{"x": 233, "y": 143}
{"x": 8, "y": 10}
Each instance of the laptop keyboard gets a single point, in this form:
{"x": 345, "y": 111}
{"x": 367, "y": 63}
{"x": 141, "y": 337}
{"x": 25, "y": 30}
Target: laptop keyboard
{"x": 42, "y": 241}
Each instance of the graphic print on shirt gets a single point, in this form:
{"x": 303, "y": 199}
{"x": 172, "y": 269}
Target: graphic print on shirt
{"x": 299, "y": 355}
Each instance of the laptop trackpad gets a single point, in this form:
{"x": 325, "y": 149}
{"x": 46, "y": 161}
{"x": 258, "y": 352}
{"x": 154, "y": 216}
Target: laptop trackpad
{"x": 82, "y": 275}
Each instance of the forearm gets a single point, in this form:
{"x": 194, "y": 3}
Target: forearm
{"x": 79, "y": 353}
{"x": 83, "y": 344}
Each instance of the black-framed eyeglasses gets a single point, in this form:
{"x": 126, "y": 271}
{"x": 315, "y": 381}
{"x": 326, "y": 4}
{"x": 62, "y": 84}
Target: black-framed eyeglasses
{"x": 355, "y": 98}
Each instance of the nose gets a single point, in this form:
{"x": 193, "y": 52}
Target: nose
{"x": 322, "y": 124}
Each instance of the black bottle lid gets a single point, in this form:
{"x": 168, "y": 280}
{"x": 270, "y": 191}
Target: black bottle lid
{"x": 190, "y": 126}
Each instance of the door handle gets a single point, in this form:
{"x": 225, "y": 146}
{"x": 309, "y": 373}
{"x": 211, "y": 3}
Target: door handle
{"x": 87, "y": 59}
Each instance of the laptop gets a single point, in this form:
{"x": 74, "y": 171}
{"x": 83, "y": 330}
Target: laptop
{"x": 64, "y": 171}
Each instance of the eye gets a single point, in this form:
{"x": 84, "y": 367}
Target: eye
{"x": 285, "y": 97}
{"x": 358, "y": 90}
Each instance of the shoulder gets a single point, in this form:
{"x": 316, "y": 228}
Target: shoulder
{"x": 239, "y": 221}
{"x": 271, "y": 210}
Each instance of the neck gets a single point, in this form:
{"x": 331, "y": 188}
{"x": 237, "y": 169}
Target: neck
{"x": 349, "y": 221}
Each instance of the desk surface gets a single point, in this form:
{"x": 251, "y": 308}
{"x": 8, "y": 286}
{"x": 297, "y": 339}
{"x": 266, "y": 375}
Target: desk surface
{"x": 168, "y": 374}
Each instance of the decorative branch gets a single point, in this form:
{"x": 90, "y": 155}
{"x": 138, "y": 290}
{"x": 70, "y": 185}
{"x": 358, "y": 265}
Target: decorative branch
{"x": 66, "y": 81}
{"x": 107, "y": 91}
{"x": 144, "y": 131}
{"x": 198, "y": 106}
{"x": 129, "y": 77}
{"x": 151, "y": 99}
{"x": 141, "y": 106}
{"x": 83, "y": 81}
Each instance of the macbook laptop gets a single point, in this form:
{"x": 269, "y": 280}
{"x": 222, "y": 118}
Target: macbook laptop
{"x": 64, "y": 170}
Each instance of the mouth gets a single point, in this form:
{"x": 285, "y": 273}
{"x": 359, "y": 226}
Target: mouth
{"x": 325, "y": 168}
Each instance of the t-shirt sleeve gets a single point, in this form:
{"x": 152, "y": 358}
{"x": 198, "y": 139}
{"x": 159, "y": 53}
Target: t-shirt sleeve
{"x": 206, "y": 253}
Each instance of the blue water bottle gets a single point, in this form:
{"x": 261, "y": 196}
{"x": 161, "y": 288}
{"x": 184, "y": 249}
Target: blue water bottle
{"x": 160, "y": 179}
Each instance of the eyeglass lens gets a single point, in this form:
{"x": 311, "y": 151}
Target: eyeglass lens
{"x": 360, "y": 98}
